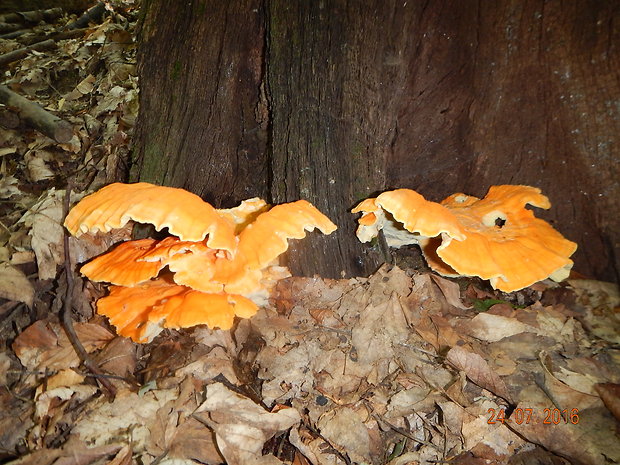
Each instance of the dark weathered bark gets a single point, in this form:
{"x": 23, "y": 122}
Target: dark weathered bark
{"x": 203, "y": 120}
{"x": 440, "y": 97}
{"x": 331, "y": 70}
{"x": 519, "y": 92}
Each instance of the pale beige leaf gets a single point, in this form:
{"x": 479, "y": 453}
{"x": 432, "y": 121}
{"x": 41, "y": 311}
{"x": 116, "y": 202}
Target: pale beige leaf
{"x": 104, "y": 422}
{"x": 8, "y": 187}
{"x": 492, "y": 328}
{"x": 241, "y": 426}
{"x": 45, "y": 221}
{"x": 345, "y": 430}
{"x": 14, "y": 285}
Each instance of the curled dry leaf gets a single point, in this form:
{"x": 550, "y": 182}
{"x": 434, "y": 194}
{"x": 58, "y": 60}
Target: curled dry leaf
{"x": 14, "y": 285}
{"x": 478, "y": 371}
{"x": 45, "y": 222}
{"x": 492, "y": 328}
{"x": 610, "y": 395}
{"x": 241, "y": 426}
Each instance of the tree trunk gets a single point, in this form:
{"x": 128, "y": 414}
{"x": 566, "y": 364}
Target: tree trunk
{"x": 203, "y": 114}
{"x": 333, "y": 101}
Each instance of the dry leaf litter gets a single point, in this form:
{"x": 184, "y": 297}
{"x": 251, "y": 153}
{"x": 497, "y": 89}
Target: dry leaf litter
{"x": 399, "y": 368}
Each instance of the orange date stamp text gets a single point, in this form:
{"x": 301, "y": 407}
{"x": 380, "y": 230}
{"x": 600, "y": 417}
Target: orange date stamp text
{"x": 526, "y": 416}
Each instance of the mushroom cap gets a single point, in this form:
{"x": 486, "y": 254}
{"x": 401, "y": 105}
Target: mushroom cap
{"x": 134, "y": 262}
{"x": 172, "y": 246}
{"x": 196, "y": 270}
{"x": 128, "y": 308}
{"x": 191, "y": 308}
{"x": 142, "y": 311}
{"x": 184, "y": 214}
{"x": 198, "y": 266}
{"x": 124, "y": 265}
{"x": 219, "y": 259}
{"x": 245, "y": 212}
{"x": 260, "y": 244}
{"x": 264, "y": 240}
{"x": 405, "y": 218}
{"x": 522, "y": 251}
{"x": 495, "y": 238}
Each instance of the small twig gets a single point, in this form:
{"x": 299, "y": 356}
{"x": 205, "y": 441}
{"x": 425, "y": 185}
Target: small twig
{"x": 99, "y": 376}
{"x": 67, "y": 321}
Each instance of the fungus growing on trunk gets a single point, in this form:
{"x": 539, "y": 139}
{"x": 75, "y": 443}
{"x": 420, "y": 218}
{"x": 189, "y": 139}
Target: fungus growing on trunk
{"x": 185, "y": 214}
{"x": 222, "y": 263}
{"x": 496, "y": 238}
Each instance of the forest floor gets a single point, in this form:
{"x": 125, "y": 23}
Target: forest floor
{"x": 403, "y": 367}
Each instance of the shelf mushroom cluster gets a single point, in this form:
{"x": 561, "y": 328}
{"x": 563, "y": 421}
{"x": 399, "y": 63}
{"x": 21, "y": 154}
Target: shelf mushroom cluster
{"x": 215, "y": 265}
{"x": 496, "y": 238}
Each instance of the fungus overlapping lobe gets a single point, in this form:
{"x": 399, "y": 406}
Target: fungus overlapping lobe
{"x": 185, "y": 214}
{"x": 142, "y": 311}
{"x": 222, "y": 265}
{"x": 495, "y": 238}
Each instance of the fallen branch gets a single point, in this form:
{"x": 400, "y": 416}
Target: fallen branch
{"x": 67, "y": 321}
{"x": 8, "y": 119}
{"x": 22, "y": 52}
{"x": 55, "y": 36}
{"x": 35, "y": 116}
{"x": 9, "y": 27}
{"x": 15, "y": 34}
{"x": 35, "y": 16}
{"x": 93, "y": 14}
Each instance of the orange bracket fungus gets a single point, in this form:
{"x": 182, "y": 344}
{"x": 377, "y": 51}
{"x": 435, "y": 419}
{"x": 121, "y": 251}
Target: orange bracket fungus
{"x": 215, "y": 265}
{"x": 496, "y": 238}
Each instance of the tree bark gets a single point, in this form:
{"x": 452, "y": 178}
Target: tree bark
{"x": 333, "y": 101}
{"x": 203, "y": 118}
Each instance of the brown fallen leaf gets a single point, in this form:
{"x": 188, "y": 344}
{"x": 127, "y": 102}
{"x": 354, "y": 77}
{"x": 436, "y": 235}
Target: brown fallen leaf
{"x": 14, "y": 285}
{"x": 478, "y": 371}
{"x": 126, "y": 420}
{"x": 241, "y": 426}
{"x": 610, "y": 395}
{"x": 601, "y": 301}
{"x": 345, "y": 430}
{"x": 563, "y": 395}
{"x": 45, "y": 346}
{"x": 16, "y": 419}
{"x": 450, "y": 290}
{"x": 492, "y": 440}
{"x": 585, "y": 437}
{"x": 492, "y": 328}
{"x": 118, "y": 357}
{"x": 194, "y": 441}
{"x": 122, "y": 457}
{"x": 45, "y": 222}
